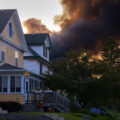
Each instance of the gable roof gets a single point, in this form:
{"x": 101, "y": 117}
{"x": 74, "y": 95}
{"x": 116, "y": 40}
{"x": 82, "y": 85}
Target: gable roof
{"x": 37, "y": 39}
{"x": 6, "y": 67}
{"x": 5, "y": 16}
{"x": 10, "y": 68}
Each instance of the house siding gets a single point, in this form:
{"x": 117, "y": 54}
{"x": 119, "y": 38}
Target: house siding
{"x": 20, "y": 98}
{"x": 16, "y": 39}
{"x": 10, "y": 57}
{"x": 32, "y": 65}
{"x": 39, "y": 49}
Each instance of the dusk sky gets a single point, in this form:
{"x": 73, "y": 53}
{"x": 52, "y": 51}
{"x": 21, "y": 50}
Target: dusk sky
{"x": 85, "y": 24}
{"x": 40, "y": 9}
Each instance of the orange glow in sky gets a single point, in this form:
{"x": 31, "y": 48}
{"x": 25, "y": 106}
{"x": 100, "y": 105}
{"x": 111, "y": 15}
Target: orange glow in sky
{"x": 40, "y": 9}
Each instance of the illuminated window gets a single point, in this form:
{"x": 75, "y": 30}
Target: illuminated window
{"x": 16, "y": 58}
{"x": 2, "y": 52}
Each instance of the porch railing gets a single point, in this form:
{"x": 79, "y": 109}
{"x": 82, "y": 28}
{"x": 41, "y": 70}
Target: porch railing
{"x": 49, "y": 99}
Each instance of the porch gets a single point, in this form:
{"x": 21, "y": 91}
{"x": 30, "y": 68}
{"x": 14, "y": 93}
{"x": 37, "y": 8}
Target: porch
{"x": 49, "y": 98}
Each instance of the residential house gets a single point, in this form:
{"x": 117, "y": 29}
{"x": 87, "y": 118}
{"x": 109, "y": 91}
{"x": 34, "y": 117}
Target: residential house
{"x": 37, "y": 58}
{"x": 24, "y": 83}
{"x": 14, "y": 79}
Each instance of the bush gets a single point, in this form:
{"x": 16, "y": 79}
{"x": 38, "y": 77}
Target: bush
{"x": 84, "y": 110}
{"x": 76, "y": 109}
{"x": 11, "y": 106}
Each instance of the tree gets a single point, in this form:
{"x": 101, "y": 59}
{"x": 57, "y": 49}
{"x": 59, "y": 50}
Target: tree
{"x": 110, "y": 51}
{"x": 75, "y": 74}
{"x": 70, "y": 71}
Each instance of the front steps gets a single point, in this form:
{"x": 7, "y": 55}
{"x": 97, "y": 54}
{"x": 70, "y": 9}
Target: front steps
{"x": 3, "y": 111}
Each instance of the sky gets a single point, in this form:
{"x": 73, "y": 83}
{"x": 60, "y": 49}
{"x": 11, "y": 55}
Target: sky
{"x": 40, "y": 9}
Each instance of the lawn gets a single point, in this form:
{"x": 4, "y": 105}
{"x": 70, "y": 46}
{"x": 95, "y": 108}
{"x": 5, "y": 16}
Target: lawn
{"x": 76, "y": 116}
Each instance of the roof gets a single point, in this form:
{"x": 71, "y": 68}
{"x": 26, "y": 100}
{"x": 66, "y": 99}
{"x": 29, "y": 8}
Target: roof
{"x": 36, "y": 39}
{"x": 5, "y": 16}
{"x": 4, "y": 67}
{"x": 36, "y": 55}
{"x": 7, "y": 67}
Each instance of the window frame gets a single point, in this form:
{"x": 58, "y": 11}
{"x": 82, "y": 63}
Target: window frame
{"x": 15, "y": 84}
{"x": 2, "y": 49}
{"x": 11, "y": 33}
{"x": 16, "y": 62}
{"x": 2, "y": 86}
{"x": 44, "y": 50}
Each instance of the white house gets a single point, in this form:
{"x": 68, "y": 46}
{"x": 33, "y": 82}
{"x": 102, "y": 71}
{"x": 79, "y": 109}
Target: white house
{"x": 37, "y": 58}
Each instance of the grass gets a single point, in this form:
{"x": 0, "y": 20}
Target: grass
{"x": 77, "y": 116}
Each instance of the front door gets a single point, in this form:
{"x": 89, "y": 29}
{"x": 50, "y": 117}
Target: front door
{"x": 27, "y": 86}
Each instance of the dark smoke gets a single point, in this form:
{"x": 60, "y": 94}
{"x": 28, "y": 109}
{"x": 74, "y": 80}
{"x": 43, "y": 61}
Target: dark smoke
{"x": 34, "y": 25}
{"x": 86, "y": 24}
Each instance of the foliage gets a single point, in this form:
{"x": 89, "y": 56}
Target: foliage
{"x": 95, "y": 83}
{"x": 11, "y": 106}
{"x": 110, "y": 51}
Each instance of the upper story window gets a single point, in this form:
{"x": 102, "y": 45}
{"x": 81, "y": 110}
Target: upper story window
{"x": 41, "y": 68}
{"x": 10, "y": 30}
{"x": 45, "y": 50}
{"x": 2, "y": 52}
{"x": 16, "y": 58}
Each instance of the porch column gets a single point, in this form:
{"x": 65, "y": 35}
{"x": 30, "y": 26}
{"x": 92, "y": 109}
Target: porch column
{"x": 8, "y": 83}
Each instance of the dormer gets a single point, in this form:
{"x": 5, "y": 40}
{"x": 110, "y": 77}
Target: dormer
{"x": 40, "y": 43}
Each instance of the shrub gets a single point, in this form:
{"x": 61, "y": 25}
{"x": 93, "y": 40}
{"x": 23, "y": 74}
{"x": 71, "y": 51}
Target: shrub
{"x": 84, "y": 110}
{"x": 11, "y": 106}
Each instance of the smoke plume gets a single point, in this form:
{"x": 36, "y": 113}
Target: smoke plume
{"x": 86, "y": 24}
{"x": 34, "y": 25}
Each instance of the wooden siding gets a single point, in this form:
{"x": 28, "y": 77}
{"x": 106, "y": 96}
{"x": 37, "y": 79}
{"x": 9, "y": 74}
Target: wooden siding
{"x": 16, "y": 39}
{"x": 10, "y": 57}
{"x": 20, "y": 98}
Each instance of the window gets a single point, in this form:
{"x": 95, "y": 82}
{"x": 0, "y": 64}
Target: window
{"x": 18, "y": 84}
{"x": 40, "y": 68}
{"x": 32, "y": 84}
{"x": 44, "y": 50}
{"x": 37, "y": 85}
{"x": 0, "y": 84}
{"x": 3, "y": 84}
{"x": 26, "y": 86}
{"x": 2, "y": 50}
{"x": 10, "y": 30}
{"x": 15, "y": 84}
{"x": 16, "y": 58}
{"x": 12, "y": 83}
